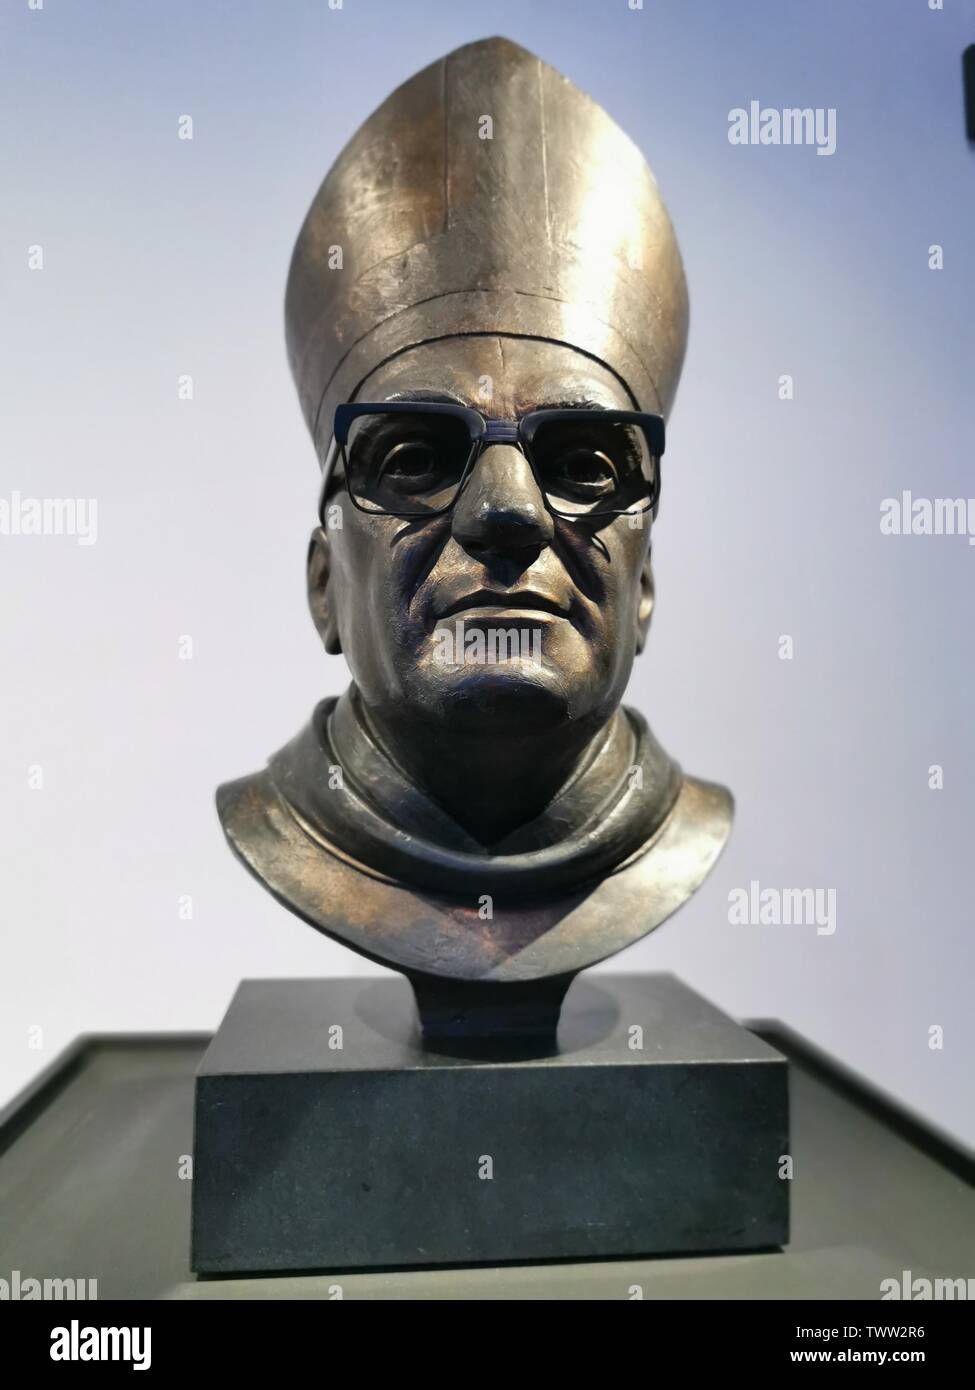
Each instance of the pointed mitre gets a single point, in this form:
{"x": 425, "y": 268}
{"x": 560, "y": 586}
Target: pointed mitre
{"x": 486, "y": 195}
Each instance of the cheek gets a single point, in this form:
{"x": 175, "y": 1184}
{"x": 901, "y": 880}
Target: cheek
{"x": 378, "y": 566}
{"x": 620, "y": 609}
{"x": 620, "y": 576}
{"x": 626, "y": 606}
{"x": 356, "y": 576}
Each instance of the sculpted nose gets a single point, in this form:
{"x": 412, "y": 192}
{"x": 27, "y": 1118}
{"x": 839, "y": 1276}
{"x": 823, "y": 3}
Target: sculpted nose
{"x": 502, "y": 506}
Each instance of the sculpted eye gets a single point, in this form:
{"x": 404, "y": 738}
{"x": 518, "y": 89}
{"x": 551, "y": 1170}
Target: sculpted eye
{"x": 409, "y": 460}
{"x": 589, "y": 464}
{"x": 404, "y": 463}
{"x": 586, "y": 468}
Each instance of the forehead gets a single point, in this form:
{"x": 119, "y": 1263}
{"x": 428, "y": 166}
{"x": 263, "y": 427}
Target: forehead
{"x": 500, "y": 375}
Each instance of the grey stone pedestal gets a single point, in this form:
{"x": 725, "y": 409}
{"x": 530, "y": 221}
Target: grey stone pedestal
{"x": 327, "y": 1136}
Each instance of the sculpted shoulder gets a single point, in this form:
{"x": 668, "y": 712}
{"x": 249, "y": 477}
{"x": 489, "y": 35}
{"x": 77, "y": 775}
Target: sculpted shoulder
{"x": 407, "y": 928}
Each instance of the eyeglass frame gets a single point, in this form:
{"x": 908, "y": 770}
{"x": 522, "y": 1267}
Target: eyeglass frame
{"x": 484, "y": 432}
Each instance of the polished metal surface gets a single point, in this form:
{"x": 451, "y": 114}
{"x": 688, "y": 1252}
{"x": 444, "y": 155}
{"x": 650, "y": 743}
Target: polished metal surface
{"x": 483, "y": 821}
{"x": 553, "y": 227}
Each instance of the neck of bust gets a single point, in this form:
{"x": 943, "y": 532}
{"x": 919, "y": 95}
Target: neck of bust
{"x": 493, "y": 782}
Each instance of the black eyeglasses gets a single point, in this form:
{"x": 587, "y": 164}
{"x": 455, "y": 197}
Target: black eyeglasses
{"x": 414, "y": 458}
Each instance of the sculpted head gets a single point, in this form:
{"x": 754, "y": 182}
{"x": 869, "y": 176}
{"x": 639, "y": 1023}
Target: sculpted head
{"x": 486, "y": 317}
{"x": 384, "y": 589}
{"x": 510, "y": 268}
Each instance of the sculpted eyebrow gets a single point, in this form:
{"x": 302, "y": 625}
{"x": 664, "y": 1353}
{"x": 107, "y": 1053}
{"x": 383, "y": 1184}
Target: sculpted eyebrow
{"x": 369, "y": 426}
{"x": 442, "y": 397}
{"x": 446, "y": 398}
{"x": 575, "y": 404}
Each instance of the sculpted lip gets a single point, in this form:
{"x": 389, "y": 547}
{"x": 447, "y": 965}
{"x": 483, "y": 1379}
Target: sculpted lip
{"x": 492, "y": 598}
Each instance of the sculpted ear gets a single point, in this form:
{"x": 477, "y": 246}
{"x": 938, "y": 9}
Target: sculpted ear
{"x": 321, "y": 597}
{"x": 644, "y": 610}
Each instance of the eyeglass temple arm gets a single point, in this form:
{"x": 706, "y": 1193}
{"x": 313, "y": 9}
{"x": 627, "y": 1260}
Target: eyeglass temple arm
{"x": 328, "y": 468}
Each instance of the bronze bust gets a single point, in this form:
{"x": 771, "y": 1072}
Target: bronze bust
{"x": 491, "y": 252}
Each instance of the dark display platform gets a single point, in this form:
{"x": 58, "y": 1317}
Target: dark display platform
{"x": 328, "y": 1135}
{"x": 94, "y": 1184}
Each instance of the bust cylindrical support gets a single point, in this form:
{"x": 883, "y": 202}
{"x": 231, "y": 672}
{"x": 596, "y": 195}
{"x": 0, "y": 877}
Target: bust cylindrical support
{"x": 485, "y": 1010}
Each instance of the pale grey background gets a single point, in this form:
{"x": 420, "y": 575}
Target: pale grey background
{"x": 165, "y": 257}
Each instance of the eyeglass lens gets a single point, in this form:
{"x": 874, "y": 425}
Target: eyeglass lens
{"x": 413, "y": 463}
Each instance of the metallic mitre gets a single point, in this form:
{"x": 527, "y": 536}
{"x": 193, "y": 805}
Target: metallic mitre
{"x": 487, "y": 194}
